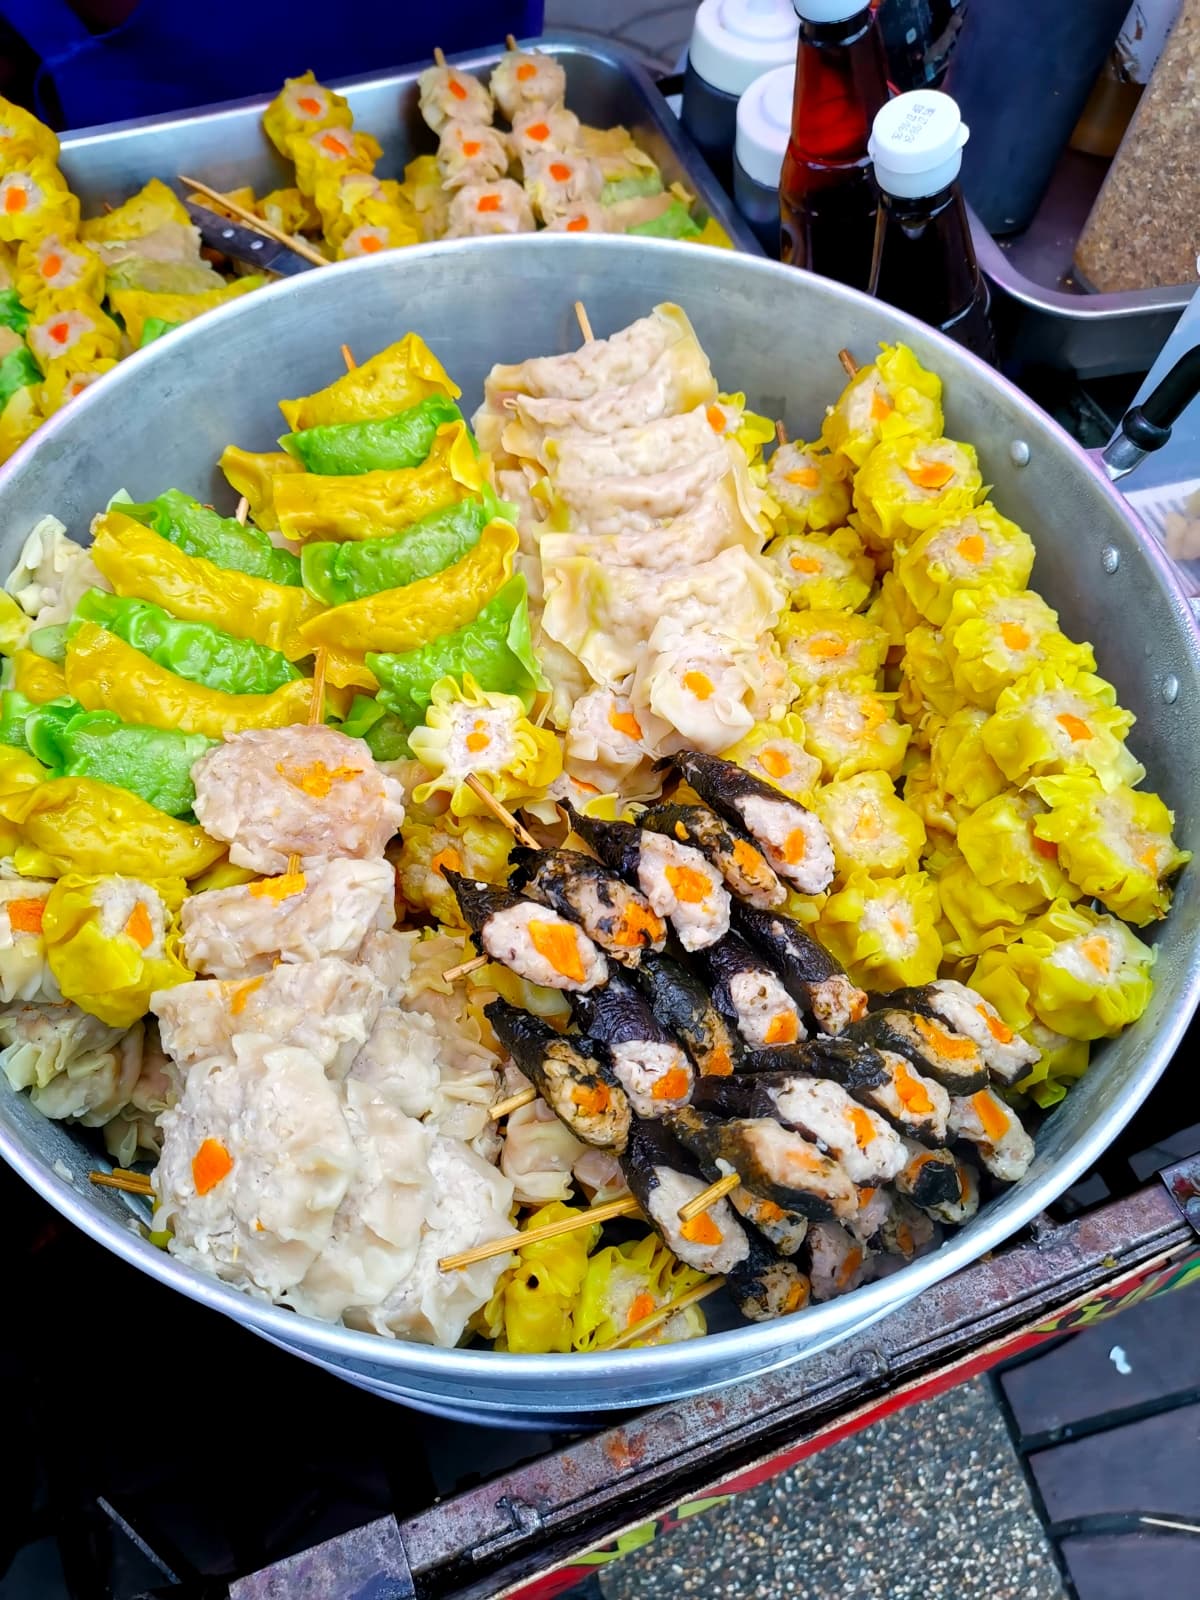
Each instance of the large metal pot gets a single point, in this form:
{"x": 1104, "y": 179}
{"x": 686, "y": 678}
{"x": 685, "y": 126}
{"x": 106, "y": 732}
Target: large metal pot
{"x": 162, "y": 419}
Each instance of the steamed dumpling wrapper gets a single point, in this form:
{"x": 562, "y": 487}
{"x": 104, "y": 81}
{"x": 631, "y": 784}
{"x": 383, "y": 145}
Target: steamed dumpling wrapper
{"x": 702, "y": 690}
{"x": 34, "y": 677}
{"x": 824, "y": 647}
{"x": 74, "y": 1065}
{"x": 959, "y": 763}
{"x": 25, "y": 976}
{"x": 628, "y": 1282}
{"x": 531, "y": 1311}
{"x": 884, "y": 930}
{"x": 112, "y": 941}
{"x": 825, "y": 572}
{"x": 475, "y": 846}
{"x": 1052, "y": 724}
{"x": 135, "y": 1127}
{"x": 367, "y": 504}
{"x": 637, "y": 451}
{"x": 605, "y": 617}
{"x": 269, "y": 792}
{"x": 303, "y": 106}
{"x": 154, "y": 763}
{"x": 905, "y": 486}
{"x": 601, "y": 504}
{"x": 198, "y": 530}
{"x": 327, "y": 911}
{"x": 254, "y": 473}
{"x": 809, "y": 489}
{"x": 138, "y": 306}
{"x": 992, "y": 638}
{"x": 538, "y": 1154}
{"x": 976, "y": 917}
{"x": 1005, "y": 851}
{"x": 326, "y": 1007}
{"x": 869, "y": 826}
{"x": 775, "y": 750}
{"x": 470, "y": 731}
{"x": 606, "y": 745}
{"x": 965, "y": 550}
{"x": 892, "y": 398}
{"x": 851, "y": 729}
{"x": 51, "y": 574}
{"x": 395, "y": 379}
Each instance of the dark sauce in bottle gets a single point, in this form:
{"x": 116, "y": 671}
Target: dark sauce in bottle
{"x": 827, "y": 197}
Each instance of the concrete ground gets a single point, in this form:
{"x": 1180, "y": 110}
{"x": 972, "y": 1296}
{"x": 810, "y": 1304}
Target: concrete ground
{"x": 929, "y": 1504}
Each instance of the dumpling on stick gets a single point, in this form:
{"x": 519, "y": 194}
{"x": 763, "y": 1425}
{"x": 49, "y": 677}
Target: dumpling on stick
{"x": 25, "y": 975}
{"x": 471, "y": 153}
{"x": 269, "y": 792}
{"x": 445, "y": 92}
{"x": 523, "y": 80}
{"x": 482, "y": 209}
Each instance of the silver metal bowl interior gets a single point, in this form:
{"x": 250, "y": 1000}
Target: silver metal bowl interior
{"x": 162, "y": 418}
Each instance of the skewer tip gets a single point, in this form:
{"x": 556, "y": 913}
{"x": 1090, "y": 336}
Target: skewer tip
{"x": 243, "y": 510}
{"x": 709, "y": 1197}
{"x": 781, "y": 433}
{"x": 585, "y": 326}
{"x": 849, "y": 365}
{"x": 439, "y": 55}
{"x": 510, "y": 42}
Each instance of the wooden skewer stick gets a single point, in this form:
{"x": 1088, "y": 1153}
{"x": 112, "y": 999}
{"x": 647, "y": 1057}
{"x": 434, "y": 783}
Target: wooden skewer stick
{"x": 624, "y": 1207}
{"x": 849, "y": 365}
{"x": 523, "y": 1097}
{"x": 465, "y": 968}
{"x": 501, "y": 812}
{"x": 348, "y": 358}
{"x": 585, "y": 325}
{"x": 781, "y": 433}
{"x": 647, "y": 1324}
{"x": 439, "y": 56}
{"x": 267, "y": 229}
{"x": 709, "y": 1197}
{"x": 510, "y": 42}
{"x": 126, "y": 1182}
{"x": 243, "y": 510}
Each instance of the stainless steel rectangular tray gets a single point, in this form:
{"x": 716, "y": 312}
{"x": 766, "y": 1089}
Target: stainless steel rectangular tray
{"x": 1054, "y": 320}
{"x": 226, "y": 147}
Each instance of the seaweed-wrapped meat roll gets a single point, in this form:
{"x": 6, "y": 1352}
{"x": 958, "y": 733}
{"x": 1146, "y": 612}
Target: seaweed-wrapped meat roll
{"x": 962, "y": 1208}
{"x": 1005, "y": 1054}
{"x": 855, "y": 1066}
{"x": 915, "y": 1105}
{"x": 793, "y": 839}
{"x": 837, "y": 1262}
{"x": 748, "y": 994}
{"x": 531, "y": 939}
{"x": 784, "y": 1230}
{"x": 678, "y": 881}
{"x": 930, "y": 1178}
{"x": 739, "y": 860}
{"x": 907, "y": 1232}
{"x": 684, "y": 1007}
{"x": 949, "y": 1058}
{"x": 984, "y": 1120}
{"x": 772, "y": 1162}
{"x": 614, "y": 916}
{"x": 764, "y": 1285}
{"x": 868, "y": 1149}
{"x": 809, "y": 973}
{"x": 571, "y": 1074}
{"x": 662, "y": 1177}
{"x": 646, "y": 1061}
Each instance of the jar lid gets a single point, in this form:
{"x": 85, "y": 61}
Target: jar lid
{"x": 916, "y": 143}
{"x": 764, "y": 121}
{"x": 829, "y": 10}
{"x": 735, "y": 41}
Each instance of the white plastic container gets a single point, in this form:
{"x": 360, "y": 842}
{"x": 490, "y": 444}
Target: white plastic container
{"x": 764, "y": 118}
{"x": 733, "y": 43}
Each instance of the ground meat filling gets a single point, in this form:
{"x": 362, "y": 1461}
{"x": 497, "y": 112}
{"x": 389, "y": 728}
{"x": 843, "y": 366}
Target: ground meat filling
{"x": 793, "y": 840}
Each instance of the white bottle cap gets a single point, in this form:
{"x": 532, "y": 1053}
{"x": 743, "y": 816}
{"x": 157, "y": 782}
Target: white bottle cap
{"x": 829, "y": 10}
{"x": 764, "y": 121}
{"x": 735, "y": 41}
{"x": 916, "y": 143}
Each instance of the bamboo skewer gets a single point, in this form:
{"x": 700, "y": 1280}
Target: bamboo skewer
{"x": 585, "y": 325}
{"x": 243, "y": 510}
{"x": 126, "y": 1182}
{"x": 663, "y": 1314}
{"x": 439, "y": 56}
{"x": 267, "y": 229}
{"x": 465, "y": 968}
{"x": 501, "y": 812}
{"x": 709, "y": 1197}
{"x": 523, "y": 1097}
{"x": 626, "y": 1206}
{"x": 781, "y": 433}
{"x": 510, "y": 42}
{"x": 849, "y": 365}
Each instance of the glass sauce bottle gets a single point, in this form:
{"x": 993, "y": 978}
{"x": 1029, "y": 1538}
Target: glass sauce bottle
{"x": 924, "y": 260}
{"x": 827, "y": 198}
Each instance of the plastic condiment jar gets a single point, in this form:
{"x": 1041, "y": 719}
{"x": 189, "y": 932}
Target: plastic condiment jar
{"x": 733, "y": 43}
{"x": 764, "y": 120}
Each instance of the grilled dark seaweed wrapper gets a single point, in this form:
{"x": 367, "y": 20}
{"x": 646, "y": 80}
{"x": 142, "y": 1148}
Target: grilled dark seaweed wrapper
{"x": 501, "y": 923}
{"x": 793, "y": 839}
{"x": 647, "y": 1061}
{"x": 749, "y": 995}
{"x": 570, "y": 1073}
{"x": 618, "y": 844}
{"x": 684, "y": 1007}
{"x": 856, "y": 1067}
{"x": 610, "y": 911}
{"x": 808, "y": 972}
{"x": 662, "y": 1177}
{"x": 765, "y": 1285}
{"x": 771, "y": 1162}
{"x": 1006, "y": 1055}
{"x": 931, "y": 1178}
{"x": 733, "y": 852}
{"x": 837, "y": 1262}
{"x": 908, "y": 1231}
{"x": 784, "y": 1231}
{"x": 935, "y": 1050}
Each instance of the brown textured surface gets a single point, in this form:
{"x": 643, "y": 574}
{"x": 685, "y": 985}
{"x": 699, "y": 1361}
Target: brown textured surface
{"x": 1144, "y": 230}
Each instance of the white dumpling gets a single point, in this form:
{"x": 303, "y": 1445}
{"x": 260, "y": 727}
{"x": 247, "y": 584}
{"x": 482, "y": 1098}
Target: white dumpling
{"x": 271, "y": 792}
{"x": 292, "y": 1156}
{"x": 399, "y": 1062}
{"x": 522, "y": 79}
{"x": 445, "y": 92}
{"x": 538, "y": 1155}
{"x": 51, "y": 574}
{"x": 238, "y": 932}
{"x": 24, "y": 974}
{"x": 39, "y": 1043}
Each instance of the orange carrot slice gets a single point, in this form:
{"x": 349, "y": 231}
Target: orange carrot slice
{"x": 139, "y": 927}
{"x": 699, "y": 684}
{"x": 701, "y": 1230}
{"x": 806, "y": 477}
{"x": 625, "y": 722}
{"x": 556, "y": 943}
{"x": 689, "y": 883}
{"x": 992, "y": 1118}
{"x": 782, "y": 1028}
{"x": 1015, "y": 636}
{"x": 673, "y": 1085}
{"x": 972, "y": 548}
{"x": 1000, "y": 1031}
{"x": 281, "y": 888}
{"x": 645, "y": 1305}
{"x": 210, "y": 1164}
{"x": 930, "y": 474}
{"x": 25, "y": 916}
{"x": 1075, "y": 727}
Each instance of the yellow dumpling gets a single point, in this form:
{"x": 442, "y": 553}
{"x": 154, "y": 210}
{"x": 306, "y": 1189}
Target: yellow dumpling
{"x": 994, "y": 637}
{"x": 936, "y": 809}
{"x": 1062, "y": 1062}
{"x": 1003, "y": 851}
{"x": 468, "y": 730}
{"x": 884, "y": 930}
{"x": 1082, "y": 974}
{"x": 776, "y": 751}
{"x": 893, "y": 611}
{"x": 963, "y": 550}
{"x": 748, "y": 429}
{"x": 959, "y": 763}
{"x": 869, "y": 826}
{"x": 1116, "y": 848}
{"x": 476, "y": 846}
{"x": 824, "y": 572}
{"x": 926, "y": 682}
{"x": 831, "y": 646}
{"x": 1050, "y": 723}
{"x": 851, "y": 729}
{"x": 905, "y": 486}
{"x": 809, "y": 486}
{"x": 978, "y": 917}
{"x": 892, "y": 398}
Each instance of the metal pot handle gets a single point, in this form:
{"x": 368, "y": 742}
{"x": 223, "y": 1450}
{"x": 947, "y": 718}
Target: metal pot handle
{"x": 1147, "y": 427}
